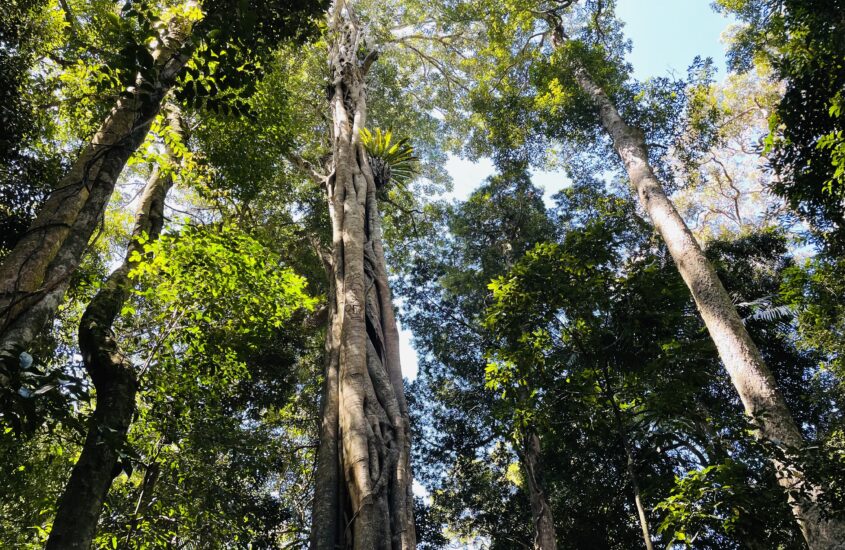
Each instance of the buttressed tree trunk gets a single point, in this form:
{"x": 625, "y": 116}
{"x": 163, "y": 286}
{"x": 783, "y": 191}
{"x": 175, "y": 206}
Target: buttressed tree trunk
{"x": 363, "y": 497}
{"x": 35, "y": 274}
{"x": 541, "y": 512}
{"x": 113, "y": 376}
{"x": 752, "y": 379}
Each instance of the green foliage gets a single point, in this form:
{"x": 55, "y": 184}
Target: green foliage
{"x": 698, "y": 498}
{"x": 722, "y": 497}
{"x": 814, "y": 289}
{"x": 226, "y": 371}
{"x": 221, "y": 282}
{"x": 834, "y": 143}
{"x": 481, "y": 503}
{"x": 34, "y": 472}
{"x": 35, "y": 395}
{"x": 28, "y": 29}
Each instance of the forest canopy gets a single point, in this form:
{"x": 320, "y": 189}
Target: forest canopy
{"x": 224, "y": 223}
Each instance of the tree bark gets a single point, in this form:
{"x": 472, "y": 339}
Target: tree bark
{"x": 752, "y": 379}
{"x": 629, "y": 461}
{"x": 114, "y": 379}
{"x": 541, "y": 513}
{"x": 363, "y": 497}
{"x": 35, "y": 274}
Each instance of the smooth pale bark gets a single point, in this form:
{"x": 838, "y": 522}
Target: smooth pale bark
{"x": 752, "y": 379}
{"x": 35, "y": 274}
{"x": 541, "y": 512}
{"x": 363, "y": 498}
{"x": 114, "y": 379}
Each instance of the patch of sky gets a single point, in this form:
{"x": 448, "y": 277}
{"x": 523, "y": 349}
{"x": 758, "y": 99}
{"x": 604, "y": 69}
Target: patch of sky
{"x": 668, "y": 34}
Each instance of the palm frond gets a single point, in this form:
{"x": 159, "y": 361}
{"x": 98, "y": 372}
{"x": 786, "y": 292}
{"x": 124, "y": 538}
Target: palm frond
{"x": 762, "y": 309}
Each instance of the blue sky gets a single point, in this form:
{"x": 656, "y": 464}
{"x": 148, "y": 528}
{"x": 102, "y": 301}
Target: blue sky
{"x": 666, "y": 36}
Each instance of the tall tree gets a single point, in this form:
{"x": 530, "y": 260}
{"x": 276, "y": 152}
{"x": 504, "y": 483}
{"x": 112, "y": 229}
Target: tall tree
{"x": 36, "y": 273}
{"x": 363, "y": 495}
{"x": 752, "y": 379}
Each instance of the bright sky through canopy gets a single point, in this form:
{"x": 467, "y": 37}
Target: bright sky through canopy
{"x": 666, "y": 37}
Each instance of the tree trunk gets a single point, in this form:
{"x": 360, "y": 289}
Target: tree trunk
{"x": 145, "y": 499}
{"x": 629, "y": 462}
{"x": 541, "y": 512}
{"x": 755, "y": 384}
{"x": 114, "y": 379}
{"x": 363, "y": 497}
{"x": 35, "y": 274}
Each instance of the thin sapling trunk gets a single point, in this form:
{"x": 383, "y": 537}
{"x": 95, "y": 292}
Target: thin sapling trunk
{"x": 541, "y": 513}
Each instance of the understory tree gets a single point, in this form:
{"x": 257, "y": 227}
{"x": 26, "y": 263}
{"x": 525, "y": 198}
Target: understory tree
{"x": 113, "y": 376}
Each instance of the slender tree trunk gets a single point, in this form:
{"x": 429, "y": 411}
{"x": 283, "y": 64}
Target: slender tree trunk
{"x": 147, "y": 489}
{"x": 752, "y": 379}
{"x": 35, "y": 274}
{"x": 363, "y": 496}
{"x": 541, "y": 512}
{"x": 145, "y": 499}
{"x": 114, "y": 379}
{"x": 629, "y": 462}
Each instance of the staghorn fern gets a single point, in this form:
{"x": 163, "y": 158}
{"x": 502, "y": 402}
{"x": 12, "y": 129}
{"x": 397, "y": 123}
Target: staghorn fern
{"x": 391, "y": 161}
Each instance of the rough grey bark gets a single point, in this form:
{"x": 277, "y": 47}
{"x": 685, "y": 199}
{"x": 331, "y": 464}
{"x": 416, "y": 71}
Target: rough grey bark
{"x": 752, "y": 379}
{"x": 35, "y": 274}
{"x": 363, "y": 496}
{"x": 114, "y": 379}
{"x": 541, "y": 512}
